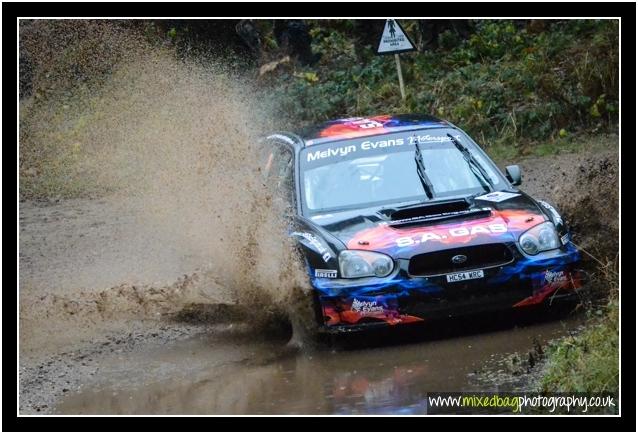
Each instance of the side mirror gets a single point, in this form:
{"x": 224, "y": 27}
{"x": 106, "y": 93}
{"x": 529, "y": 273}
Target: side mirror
{"x": 513, "y": 174}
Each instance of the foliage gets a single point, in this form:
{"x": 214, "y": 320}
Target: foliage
{"x": 507, "y": 84}
{"x": 519, "y": 88}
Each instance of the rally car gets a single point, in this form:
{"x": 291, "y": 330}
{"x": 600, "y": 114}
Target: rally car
{"x": 404, "y": 218}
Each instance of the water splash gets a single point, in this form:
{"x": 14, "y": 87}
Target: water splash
{"x": 172, "y": 142}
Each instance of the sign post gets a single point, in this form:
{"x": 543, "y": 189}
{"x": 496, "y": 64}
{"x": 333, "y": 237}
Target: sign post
{"x": 396, "y": 58}
{"x": 394, "y": 40}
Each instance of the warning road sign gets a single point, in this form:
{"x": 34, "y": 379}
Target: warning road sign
{"x": 394, "y": 39}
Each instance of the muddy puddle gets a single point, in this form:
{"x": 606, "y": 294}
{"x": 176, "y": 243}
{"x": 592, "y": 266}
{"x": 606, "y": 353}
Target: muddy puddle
{"x": 373, "y": 374}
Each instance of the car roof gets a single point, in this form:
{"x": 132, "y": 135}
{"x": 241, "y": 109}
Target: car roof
{"x": 349, "y": 128}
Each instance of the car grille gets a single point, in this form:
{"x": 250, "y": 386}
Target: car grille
{"x": 440, "y": 262}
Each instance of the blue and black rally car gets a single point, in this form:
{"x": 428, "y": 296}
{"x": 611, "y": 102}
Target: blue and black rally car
{"x": 404, "y": 218}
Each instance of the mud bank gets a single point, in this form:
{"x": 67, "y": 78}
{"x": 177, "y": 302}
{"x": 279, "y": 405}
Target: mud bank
{"x": 584, "y": 188}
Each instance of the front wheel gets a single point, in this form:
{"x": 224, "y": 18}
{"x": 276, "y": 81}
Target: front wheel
{"x": 302, "y": 312}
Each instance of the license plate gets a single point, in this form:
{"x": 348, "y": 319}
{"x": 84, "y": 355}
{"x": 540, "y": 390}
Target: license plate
{"x": 467, "y": 275}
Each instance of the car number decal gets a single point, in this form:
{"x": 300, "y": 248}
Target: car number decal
{"x": 497, "y": 196}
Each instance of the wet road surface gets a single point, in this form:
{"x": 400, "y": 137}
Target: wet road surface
{"x": 374, "y": 374}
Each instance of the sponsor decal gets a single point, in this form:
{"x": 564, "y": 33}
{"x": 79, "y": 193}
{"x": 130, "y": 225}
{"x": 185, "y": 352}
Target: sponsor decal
{"x": 553, "y": 277}
{"x": 497, "y": 225}
{"x": 431, "y": 139}
{"x": 549, "y": 282}
{"x": 427, "y": 138}
{"x": 325, "y": 273}
{"x": 423, "y": 237}
{"x": 557, "y": 218}
{"x": 366, "y": 306}
{"x": 368, "y": 145}
{"x": 314, "y": 242}
{"x": 340, "y": 151}
{"x": 346, "y": 312}
{"x": 497, "y": 196}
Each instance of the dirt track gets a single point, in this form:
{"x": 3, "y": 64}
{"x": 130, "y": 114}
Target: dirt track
{"x": 584, "y": 188}
{"x": 99, "y": 289}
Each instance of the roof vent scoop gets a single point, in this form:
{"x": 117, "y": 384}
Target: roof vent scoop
{"x": 436, "y": 212}
{"x": 435, "y": 208}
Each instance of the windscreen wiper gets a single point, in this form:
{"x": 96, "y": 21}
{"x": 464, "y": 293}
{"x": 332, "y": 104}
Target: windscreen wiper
{"x": 471, "y": 161}
{"x": 420, "y": 168}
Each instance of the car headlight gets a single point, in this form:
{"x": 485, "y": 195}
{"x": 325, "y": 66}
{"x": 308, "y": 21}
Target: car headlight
{"x": 361, "y": 263}
{"x": 539, "y": 238}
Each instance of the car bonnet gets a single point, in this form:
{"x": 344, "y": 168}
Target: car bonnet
{"x": 496, "y": 220}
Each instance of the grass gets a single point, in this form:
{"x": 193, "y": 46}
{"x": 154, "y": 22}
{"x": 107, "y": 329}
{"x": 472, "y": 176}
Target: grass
{"x": 587, "y": 362}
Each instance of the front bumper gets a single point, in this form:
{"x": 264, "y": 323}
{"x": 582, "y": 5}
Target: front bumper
{"x": 402, "y": 299}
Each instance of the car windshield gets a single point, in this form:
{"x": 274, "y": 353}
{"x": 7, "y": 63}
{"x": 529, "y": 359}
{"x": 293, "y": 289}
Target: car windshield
{"x": 382, "y": 169}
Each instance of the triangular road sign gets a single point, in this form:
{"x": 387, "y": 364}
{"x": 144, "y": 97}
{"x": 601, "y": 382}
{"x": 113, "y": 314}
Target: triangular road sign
{"x": 394, "y": 39}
